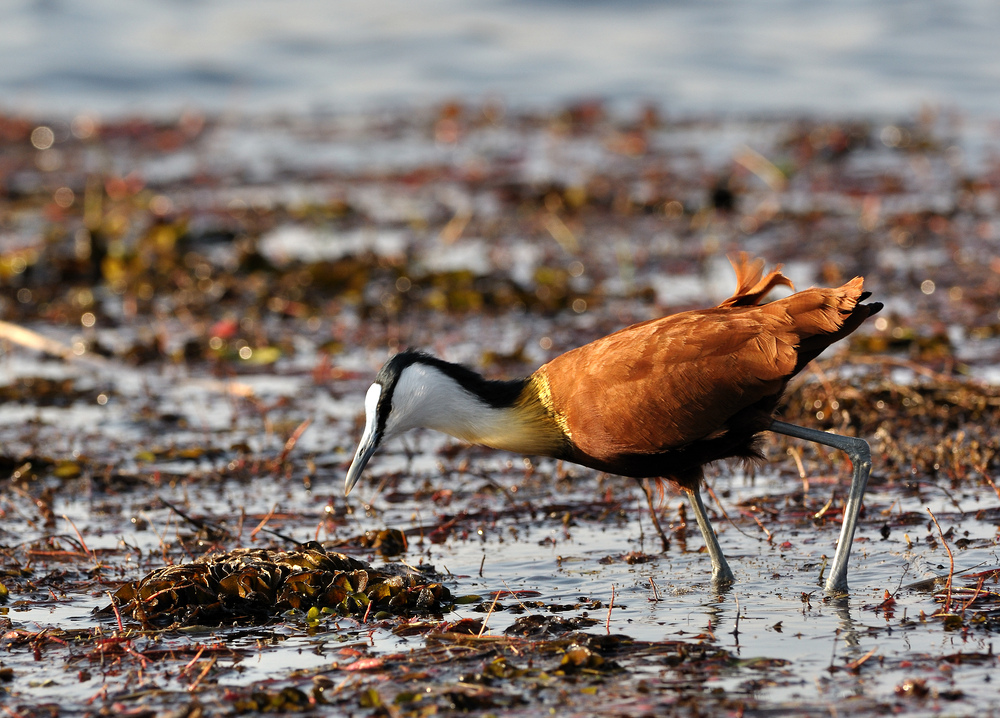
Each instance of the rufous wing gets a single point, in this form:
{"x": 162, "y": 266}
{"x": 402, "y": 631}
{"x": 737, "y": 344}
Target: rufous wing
{"x": 666, "y": 383}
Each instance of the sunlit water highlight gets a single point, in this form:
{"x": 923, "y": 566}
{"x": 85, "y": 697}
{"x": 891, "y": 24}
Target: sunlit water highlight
{"x": 233, "y": 55}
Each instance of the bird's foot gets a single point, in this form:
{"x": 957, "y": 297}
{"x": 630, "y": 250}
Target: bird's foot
{"x": 722, "y": 576}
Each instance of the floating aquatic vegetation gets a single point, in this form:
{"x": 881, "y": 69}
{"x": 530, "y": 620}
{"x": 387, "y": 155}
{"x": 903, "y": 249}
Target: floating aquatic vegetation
{"x": 247, "y": 585}
{"x": 896, "y": 417}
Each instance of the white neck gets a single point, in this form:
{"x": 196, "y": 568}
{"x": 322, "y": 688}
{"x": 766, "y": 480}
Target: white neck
{"x": 426, "y": 397}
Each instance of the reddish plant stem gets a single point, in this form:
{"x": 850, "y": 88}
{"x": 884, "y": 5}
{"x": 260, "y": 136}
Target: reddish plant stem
{"x": 951, "y": 562}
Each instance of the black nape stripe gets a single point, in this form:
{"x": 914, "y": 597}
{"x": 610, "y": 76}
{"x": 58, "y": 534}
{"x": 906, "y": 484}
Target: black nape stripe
{"x": 498, "y": 394}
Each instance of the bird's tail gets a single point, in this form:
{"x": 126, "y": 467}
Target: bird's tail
{"x": 823, "y": 316}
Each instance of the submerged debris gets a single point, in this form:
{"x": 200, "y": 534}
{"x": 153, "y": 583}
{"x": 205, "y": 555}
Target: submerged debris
{"x": 249, "y": 585}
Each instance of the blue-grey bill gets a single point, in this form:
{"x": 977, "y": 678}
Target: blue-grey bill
{"x": 365, "y": 450}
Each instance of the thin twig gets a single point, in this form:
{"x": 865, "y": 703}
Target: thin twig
{"x": 132, "y": 652}
{"x": 482, "y": 629}
{"x": 185, "y": 669}
{"x": 648, "y": 491}
{"x": 762, "y": 527}
{"x": 992, "y": 485}
{"x": 514, "y": 595}
{"x": 121, "y": 626}
{"x": 951, "y": 562}
{"x": 191, "y": 688}
{"x": 979, "y": 587}
{"x": 826, "y": 507}
{"x": 711, "y": 492}
{"x": 197, "y": 523}
{"x": 797, "y": 457}
{"x": 290, "y": 444}
{"x": 83, "y": 544}
{"x": 855, "y": 665}
{"x": 607, "y": 623}
{"x": 263, "y": 522}
{"x": 656, "y": 594}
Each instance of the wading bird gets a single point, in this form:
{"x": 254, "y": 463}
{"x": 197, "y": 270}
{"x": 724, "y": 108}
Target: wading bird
{"x": 658, "y": 399}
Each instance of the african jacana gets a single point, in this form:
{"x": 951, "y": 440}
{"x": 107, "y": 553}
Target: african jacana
{"x": 657, "y": 399}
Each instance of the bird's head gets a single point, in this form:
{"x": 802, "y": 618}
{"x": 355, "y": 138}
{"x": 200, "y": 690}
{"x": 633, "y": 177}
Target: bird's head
{"x": 389, "y": 409}
{"x": 413, "y": 390}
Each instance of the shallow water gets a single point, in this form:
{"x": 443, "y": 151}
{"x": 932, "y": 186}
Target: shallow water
{"x": 778, "y": 599}
{"x": 776, "y": 610}
{"x": 132, "y": 431}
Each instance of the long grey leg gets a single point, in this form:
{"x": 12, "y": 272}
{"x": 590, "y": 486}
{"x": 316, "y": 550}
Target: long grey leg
{"x": 861, "y": 457}
{"x": 721, "y": 573}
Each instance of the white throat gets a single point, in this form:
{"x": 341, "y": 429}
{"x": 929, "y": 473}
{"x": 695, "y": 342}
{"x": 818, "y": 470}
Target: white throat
{"x": 426, "y": 397}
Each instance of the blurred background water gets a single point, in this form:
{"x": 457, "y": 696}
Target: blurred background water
{"x": 843, "y": 57}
